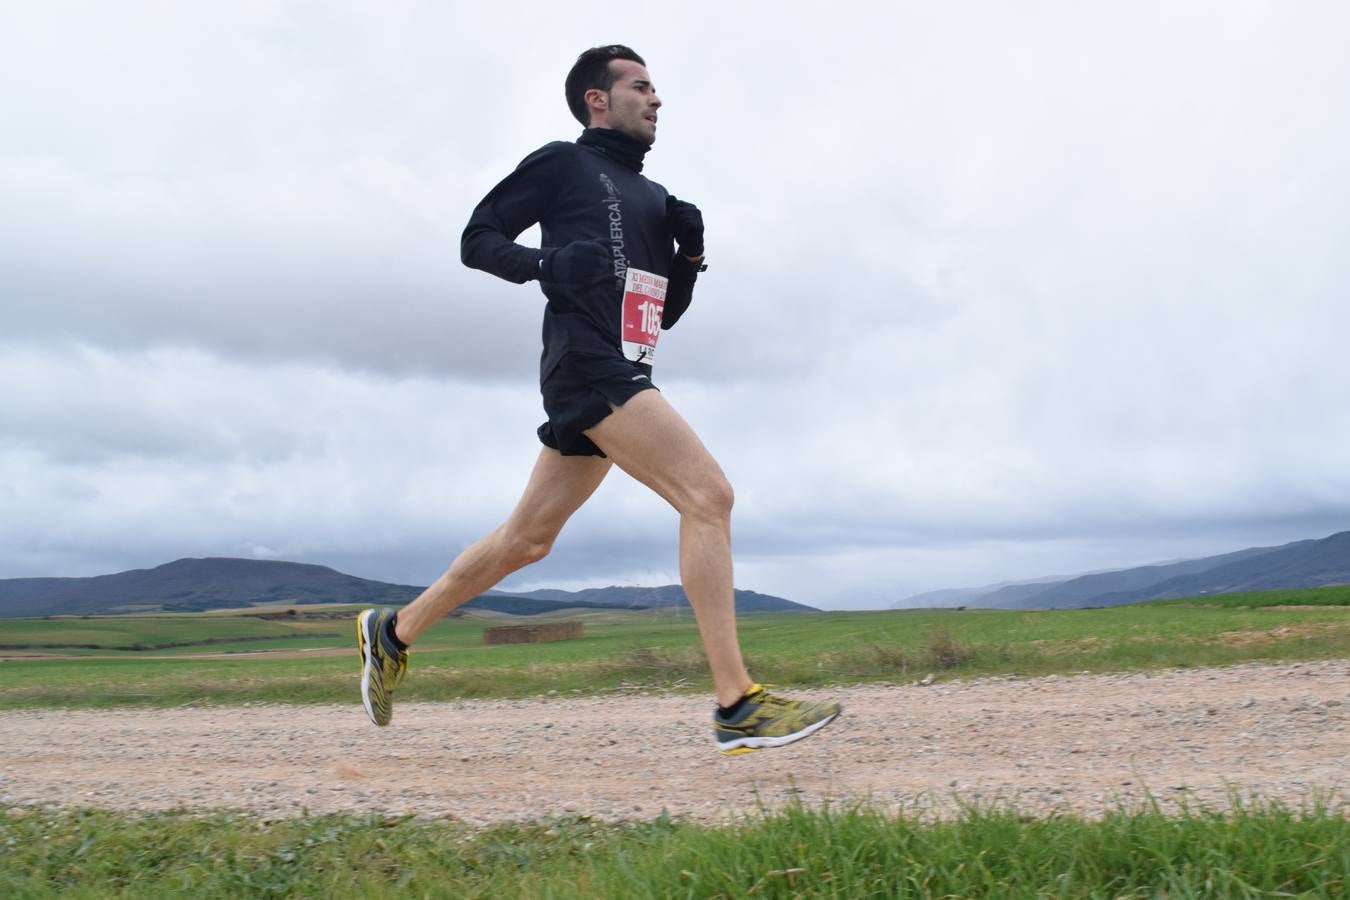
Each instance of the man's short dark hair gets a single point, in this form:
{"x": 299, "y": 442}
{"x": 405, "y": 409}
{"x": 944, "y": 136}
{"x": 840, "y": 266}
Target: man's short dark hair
{"x": 591, "y": 70}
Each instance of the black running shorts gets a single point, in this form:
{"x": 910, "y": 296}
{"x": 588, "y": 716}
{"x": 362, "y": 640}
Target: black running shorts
{"x": 581, "y": 390}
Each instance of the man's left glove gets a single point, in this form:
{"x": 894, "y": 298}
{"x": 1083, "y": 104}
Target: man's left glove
{"x": 686, "y": 225}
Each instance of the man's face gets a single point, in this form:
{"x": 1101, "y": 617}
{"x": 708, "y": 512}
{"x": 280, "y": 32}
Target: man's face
{"x": 632, "y": 102}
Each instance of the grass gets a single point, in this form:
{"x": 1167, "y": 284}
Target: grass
{"x": 639, "y": 651}
{"x": 1336, "y": 595}
{"x": 1253, "y": 850}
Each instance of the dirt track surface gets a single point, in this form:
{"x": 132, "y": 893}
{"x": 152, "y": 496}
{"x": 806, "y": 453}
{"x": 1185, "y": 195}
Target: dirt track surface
{"x": 1069, "y": 743}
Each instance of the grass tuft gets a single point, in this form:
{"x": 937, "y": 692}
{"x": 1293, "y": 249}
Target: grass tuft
{"x": 944, "y": 651}
{"x": 869, "y": 660}
{"x": 657, "y": 665}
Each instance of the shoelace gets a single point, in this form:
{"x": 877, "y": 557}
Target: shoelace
{"x": 763, "y": 696}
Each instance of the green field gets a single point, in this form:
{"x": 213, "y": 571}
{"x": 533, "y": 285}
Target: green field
{"x": 1250, "y": 850}
{"x": 1253, "y": 851}
{"x": 1338, "y": 595}
{"x": 195, "y": 658}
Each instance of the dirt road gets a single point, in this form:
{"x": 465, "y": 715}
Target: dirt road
{"x": 1074, "y": 743}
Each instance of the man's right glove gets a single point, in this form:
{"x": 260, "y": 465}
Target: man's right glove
{"x": 580, "y": 262}
{"x": 686, "y": 225}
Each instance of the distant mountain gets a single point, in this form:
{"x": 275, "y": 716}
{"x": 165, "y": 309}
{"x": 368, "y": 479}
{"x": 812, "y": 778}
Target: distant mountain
{"x": 948, "y": 597}
{"x": 192, "y": 585}
{"x": 515, "y": 605}
{"x": 1301, "y": 564}
{"x": 1310, "y": 563}
{"x": 189, "y": 585}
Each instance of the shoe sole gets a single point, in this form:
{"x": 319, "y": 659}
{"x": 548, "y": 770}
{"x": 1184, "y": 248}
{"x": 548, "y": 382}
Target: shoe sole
{"x": 362, "y": 640}
{"x": 751, "y": 744}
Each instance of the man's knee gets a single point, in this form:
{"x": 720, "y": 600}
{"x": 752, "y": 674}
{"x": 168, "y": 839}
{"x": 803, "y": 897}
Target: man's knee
{"x": 712, "y": 500}
{"x": 523, "y": 549}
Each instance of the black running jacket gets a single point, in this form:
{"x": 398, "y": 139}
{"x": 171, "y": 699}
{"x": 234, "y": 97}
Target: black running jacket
{"x": 593, "y": 188}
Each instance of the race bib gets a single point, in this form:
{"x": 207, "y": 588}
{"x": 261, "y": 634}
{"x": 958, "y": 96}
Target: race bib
{"x": 644, "y": 298}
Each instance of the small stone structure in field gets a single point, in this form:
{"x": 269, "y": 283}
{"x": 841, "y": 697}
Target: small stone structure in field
{"x": 532, "y": 634}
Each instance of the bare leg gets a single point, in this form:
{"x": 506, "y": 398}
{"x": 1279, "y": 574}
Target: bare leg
{"x": 557, "y": 488}
{"x": 649, "y": 440}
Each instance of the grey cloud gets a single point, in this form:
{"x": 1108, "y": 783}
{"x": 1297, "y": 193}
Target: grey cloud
{"x": 989, "y": 293}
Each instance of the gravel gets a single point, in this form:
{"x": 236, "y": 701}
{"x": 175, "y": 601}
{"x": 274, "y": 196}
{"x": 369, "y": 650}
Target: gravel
{"x": 1083, "y": 743}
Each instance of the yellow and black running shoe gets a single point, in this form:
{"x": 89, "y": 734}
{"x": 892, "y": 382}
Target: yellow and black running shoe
{"x": 382, "y": 664}
{"x": 764, "y": 720}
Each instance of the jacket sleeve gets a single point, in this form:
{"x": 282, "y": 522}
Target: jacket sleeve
{"x": 680, "y": 289}
{"x": 519, "y": 201}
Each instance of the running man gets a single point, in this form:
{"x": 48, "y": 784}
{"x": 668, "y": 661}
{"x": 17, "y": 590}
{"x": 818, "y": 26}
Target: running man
{"x": 614, "y": 278}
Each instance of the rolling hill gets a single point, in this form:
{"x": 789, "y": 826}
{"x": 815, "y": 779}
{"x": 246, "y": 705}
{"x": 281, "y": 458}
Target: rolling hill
{"x": 195, "y": 585}
{"x": 1309, "y": 563}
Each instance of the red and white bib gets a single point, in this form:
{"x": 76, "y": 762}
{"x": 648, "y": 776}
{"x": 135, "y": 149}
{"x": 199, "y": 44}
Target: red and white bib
{"x": 644, "y": 299}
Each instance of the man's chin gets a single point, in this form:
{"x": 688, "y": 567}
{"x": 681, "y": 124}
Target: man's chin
{"x": 647, "y": 137}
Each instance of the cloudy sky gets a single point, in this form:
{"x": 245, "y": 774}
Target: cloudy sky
{"x": 996, "y": 290}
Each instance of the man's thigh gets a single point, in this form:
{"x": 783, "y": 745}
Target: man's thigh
{"x": 652, "y": 442}
{"x": 558, "y": 486}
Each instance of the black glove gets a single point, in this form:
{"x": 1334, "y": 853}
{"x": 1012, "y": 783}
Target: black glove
{"x": 580, "y": 262}
{"x": 686, "y": 225}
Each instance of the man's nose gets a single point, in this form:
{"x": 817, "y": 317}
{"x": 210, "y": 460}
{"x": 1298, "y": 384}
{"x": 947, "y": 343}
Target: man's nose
{"x": 654, "y": 102}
